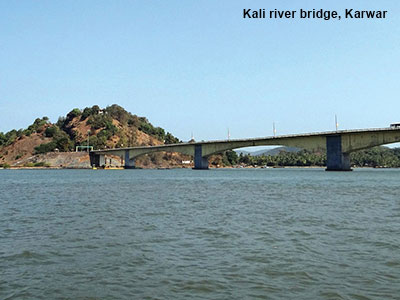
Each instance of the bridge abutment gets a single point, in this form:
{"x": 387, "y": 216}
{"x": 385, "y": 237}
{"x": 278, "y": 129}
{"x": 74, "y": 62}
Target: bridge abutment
{"x": 336, "y": 159}
{"x": 97, "y": 160}
{"x": 200, "y": 162}
{"x": 129, "y": 163}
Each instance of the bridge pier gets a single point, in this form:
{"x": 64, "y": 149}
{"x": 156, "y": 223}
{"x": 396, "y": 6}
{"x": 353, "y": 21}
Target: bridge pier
{"x": 97, "y": 160}
{"x": 129, "y": 163}
{"x": 336, "y": 159}
{"x": 200, "y": 162}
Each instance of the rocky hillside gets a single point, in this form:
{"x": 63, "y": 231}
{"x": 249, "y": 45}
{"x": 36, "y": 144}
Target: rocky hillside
{"x": 111, "y": 127}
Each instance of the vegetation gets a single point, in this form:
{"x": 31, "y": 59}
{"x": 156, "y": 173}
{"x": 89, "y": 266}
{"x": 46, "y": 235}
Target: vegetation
{"x": 89, "y": 111}
{"x": 170, "y": 139}
{"x": 37, "y": 126}
{"x": 41, "y": 164}
{"x": 37, "y": 164}
{"x": 60, "y": 141}
{"x": 230, "y": 158}
{"x": 64, "y": 137}
{"x": 103, "y": 120}
{"x": 11, "y": 136}
{"x": 51, "y": 131}
{"x": 302, "y": 158}
{"x": 374, "y": 157}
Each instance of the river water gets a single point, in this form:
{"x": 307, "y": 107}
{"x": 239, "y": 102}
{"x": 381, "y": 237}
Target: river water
{"x": 186, "y": 234}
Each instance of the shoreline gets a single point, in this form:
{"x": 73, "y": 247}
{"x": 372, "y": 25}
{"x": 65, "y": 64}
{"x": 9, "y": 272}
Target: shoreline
{"x": 178, "y": 168}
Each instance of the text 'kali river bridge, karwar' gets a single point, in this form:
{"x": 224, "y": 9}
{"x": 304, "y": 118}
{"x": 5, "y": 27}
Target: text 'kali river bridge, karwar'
{"x": 337, "y": 144}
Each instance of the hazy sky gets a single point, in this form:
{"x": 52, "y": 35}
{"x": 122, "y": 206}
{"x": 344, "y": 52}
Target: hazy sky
{"x": 198, "y": 66}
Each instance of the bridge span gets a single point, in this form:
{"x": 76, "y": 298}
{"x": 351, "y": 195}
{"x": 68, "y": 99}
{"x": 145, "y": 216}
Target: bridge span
{"x": 337, "y": 144}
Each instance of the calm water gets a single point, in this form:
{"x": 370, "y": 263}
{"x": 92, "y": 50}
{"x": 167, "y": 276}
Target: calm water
{"x": 218, "y": 234}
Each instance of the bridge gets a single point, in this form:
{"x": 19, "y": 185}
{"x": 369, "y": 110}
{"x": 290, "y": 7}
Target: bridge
{"x": 337, "y": 144}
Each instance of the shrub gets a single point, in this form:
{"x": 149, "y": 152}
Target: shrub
{"x": 44, "y": 148}
{"x": 133, "y": 121}
{"x": 170, "y": 139}
{"x": 50, "y": 131}
{"x": 86, "y": 113}
{"x": 10, "y": 137}
{"x": 61, "y": 122}
{"x": 37, "y": 126}
{"x": 3, "y": 139}
{"x": 100, "y": 121}
{"x": 41, "y": 164}
{"x": 117, "y": 112}
{"x": 72, "y": 114}
{"x": 63, "y": 143}
{"x": 37, "y": 164}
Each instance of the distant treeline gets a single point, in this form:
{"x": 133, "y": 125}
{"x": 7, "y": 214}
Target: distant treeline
{"x": 373, "y": 157}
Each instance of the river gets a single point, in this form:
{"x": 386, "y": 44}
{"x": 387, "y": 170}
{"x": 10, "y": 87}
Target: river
{"x": 187, "y": 234}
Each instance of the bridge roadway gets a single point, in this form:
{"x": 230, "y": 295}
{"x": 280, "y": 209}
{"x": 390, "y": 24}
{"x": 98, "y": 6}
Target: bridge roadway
{"x": 337, "y": 144}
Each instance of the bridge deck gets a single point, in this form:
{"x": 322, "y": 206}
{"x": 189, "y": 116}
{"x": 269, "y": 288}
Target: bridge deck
{"x": 249, "y": 140}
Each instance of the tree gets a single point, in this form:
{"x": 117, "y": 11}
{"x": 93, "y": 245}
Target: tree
{"x": 86, "y": 113}
{"x": 170, "y": 139}
{"x": 230, "y": 157}
{"x": 73, "y": 114}
{"x": 117, "y": 112}
{"x": 3, "y": 139}
{"x": 51, "y": 131}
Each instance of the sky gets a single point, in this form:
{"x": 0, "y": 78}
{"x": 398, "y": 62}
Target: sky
{"x": 199, "y": 67}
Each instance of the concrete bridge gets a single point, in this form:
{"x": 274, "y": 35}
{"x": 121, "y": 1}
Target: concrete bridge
{"x": 337, "y": 144}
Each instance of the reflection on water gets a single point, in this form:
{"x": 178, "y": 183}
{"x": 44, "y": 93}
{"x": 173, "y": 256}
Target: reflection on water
{"x": 217, "y": 234}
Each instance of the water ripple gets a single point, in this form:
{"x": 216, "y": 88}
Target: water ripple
{"x": 179, "y": 234}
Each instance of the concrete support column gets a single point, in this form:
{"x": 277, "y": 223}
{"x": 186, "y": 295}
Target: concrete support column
{"x": 200, "y": 162}
{"x": 92, "y": 158}
{"x": 97, "y": 160}
{"x": 336, "y": 160}
{"x": 129, "y": 163}
{"x": 102, "y": 160}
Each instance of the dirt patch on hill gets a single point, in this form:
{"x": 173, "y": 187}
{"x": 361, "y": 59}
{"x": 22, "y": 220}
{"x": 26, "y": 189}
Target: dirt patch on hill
{"x": 22, "y": 148}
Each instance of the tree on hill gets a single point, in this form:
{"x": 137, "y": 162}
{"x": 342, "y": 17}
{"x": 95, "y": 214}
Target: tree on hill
{"x": 60, "y": 141}
{"x": 11, "y": 136}
{"x": 170, "y": 139}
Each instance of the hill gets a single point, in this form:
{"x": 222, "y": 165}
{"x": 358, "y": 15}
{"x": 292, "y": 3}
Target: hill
{"x": 276, "y": 151}
{"x": 266, "y": 152}
{"x": 111, "y": 127}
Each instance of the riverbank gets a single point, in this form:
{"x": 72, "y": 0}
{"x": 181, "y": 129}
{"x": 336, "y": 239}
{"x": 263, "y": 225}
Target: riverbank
{"x": 175, "y": 168}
